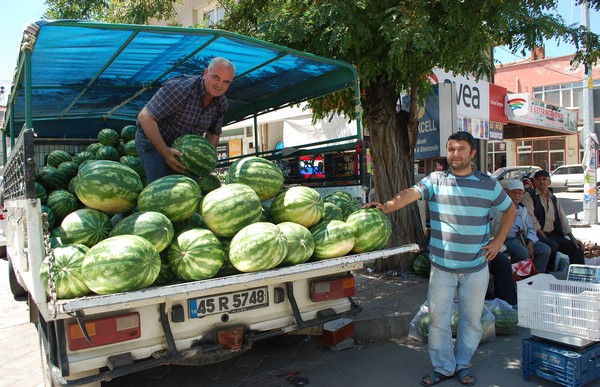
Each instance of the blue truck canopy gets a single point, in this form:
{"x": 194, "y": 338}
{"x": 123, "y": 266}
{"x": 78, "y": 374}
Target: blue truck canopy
{"x": 74, "y": 78}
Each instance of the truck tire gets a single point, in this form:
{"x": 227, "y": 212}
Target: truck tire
{"x": 15, "y": 287}
{"x": 45, "y": 356}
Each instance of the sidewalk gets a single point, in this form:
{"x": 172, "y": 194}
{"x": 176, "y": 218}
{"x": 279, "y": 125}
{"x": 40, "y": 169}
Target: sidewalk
{"x": 390, "y": 303}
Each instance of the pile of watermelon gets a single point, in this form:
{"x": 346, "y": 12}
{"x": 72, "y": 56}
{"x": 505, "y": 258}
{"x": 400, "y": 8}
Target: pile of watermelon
{"x": 112, "y": 232}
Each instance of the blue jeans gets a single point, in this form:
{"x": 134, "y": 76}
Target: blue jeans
{"x": 471, "y": 288}
{"x": 518, "y": 252}
{"x": 153, "y": 163}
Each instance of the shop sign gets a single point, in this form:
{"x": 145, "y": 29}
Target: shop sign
{"x": 521, "y": 108}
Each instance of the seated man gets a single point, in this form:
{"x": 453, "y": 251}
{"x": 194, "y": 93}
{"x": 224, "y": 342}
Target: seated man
{"x": 550, "y": 221}
{"x": 522, "y": 242}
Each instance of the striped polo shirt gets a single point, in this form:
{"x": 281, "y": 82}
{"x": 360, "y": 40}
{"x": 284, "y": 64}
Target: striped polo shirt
{"x": 459, "y": 208}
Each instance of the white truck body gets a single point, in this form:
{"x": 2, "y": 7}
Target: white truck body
{"x": 99, "y": 337}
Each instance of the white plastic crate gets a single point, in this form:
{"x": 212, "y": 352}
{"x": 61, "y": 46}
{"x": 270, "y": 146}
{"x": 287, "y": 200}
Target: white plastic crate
{"x": 564, "y": 307}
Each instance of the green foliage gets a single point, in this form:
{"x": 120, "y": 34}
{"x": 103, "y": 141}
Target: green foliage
{"x": 112, "y": 11}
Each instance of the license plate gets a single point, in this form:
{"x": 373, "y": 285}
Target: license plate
{"x": 234, "y": 302}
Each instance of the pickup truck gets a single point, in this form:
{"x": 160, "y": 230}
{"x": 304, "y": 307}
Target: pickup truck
{"x": 73, "y": 79}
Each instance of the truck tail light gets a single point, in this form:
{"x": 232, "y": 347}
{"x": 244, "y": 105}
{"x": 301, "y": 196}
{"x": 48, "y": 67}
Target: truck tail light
{"x": 105, "y": 331}
{"x": 231, "y": 338}
{"x": 332, "y": 289}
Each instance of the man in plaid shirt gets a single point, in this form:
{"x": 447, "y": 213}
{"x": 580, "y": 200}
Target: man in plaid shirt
{"x": 184, "y": 104}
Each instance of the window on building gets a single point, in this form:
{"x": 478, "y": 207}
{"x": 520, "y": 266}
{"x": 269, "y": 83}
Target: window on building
{"x": 211, "y": 16}
{"x": 567, "y": 95}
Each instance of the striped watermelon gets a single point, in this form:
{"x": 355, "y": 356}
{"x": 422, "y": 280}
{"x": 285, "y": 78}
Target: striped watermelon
{"x": 227, "y": 268}
{"x": 230, "y": 208}
{"x": 41, "y": 193}
{"x": 85, "y": 226}
{"x": 107, "y": 152}
{"x": 83, "y": 156}
{"x": 152, "y": 225}
{"x": 128, "y": 133}
{"x": 119, "y": 264}
{"x": 66, "y": 268}
{"x": 166, "y": 274}
{"x": 302, "y": 205}
{"x": 108, "y": 137}
{"x": 209, "y": 183}
{"x": 259, "y": 246}
{"x": 264, "y": 177}
{"x": 196, "y": 254}
{"x": 49, "y": 216}
{"x": 62, "y": 203}
{"x": 70, "y": 168}
{"x": 199, "y": 157}
{"x": 332, "y": 212}
{"x": 300, "y": 243}
{"x": 108, "y": 186}
{"x": 57, "y": 156}
{"x": 175, "y": 196}
{"x": 134, "y": 163}
{"x": 93, "y": 148}
{"x": 343, "y": 200}
{"x": 194, "y": 221}
{"x": 372, "y": 229}
{"x": 130, "y": 149}
{"x": 333, "y": 238}
{"x": 52, "y": 178}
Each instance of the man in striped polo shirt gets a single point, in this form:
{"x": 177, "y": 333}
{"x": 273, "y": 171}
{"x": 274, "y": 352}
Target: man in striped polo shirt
{"x": 460, "y": 200}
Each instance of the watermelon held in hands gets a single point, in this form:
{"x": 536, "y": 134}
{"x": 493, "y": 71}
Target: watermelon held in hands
{"x": 199, "y": 157}
{"x": 119, "y": 264}
{"x": 175, "y": 196}
{"x": 302, "y": 205}
{"x": 108, "y": 186}
{"x": 85, "y": 226}
{"x": 196, "y": 254}
{"x": 258, "y": 173}
{"x": 372, "y": 229}
{"x": 300, "y": 243}
{"x": 152, "y": 225}
{"x": 333, "y": 238}
{"x": 258, "y": 246}
{"x": 230, "y": 208}
{"x": 67, "y": 272}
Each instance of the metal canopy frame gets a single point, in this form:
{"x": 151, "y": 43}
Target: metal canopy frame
{"x": 74, "y": 78}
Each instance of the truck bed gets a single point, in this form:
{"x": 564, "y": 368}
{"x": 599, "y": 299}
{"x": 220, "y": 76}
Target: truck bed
{"x": 155, "y": 295}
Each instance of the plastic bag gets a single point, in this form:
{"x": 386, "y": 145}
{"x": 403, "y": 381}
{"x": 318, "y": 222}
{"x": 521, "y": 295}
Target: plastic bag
{"x": 419, "y": 325}
{"x": 506, "y": 318}
{"x": 523, "y": 269}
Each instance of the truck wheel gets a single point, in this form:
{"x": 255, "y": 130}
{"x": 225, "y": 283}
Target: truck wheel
{"x": 15, "y": 287}
{"x": 44, "y": 356}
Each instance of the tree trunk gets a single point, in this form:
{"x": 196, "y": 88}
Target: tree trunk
{"x": 393, "y": 168}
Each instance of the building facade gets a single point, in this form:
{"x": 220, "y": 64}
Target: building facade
{"x": 555, "y": 81}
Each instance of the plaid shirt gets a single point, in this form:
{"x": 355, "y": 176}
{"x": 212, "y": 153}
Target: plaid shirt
{"x": 178, "y": 107}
